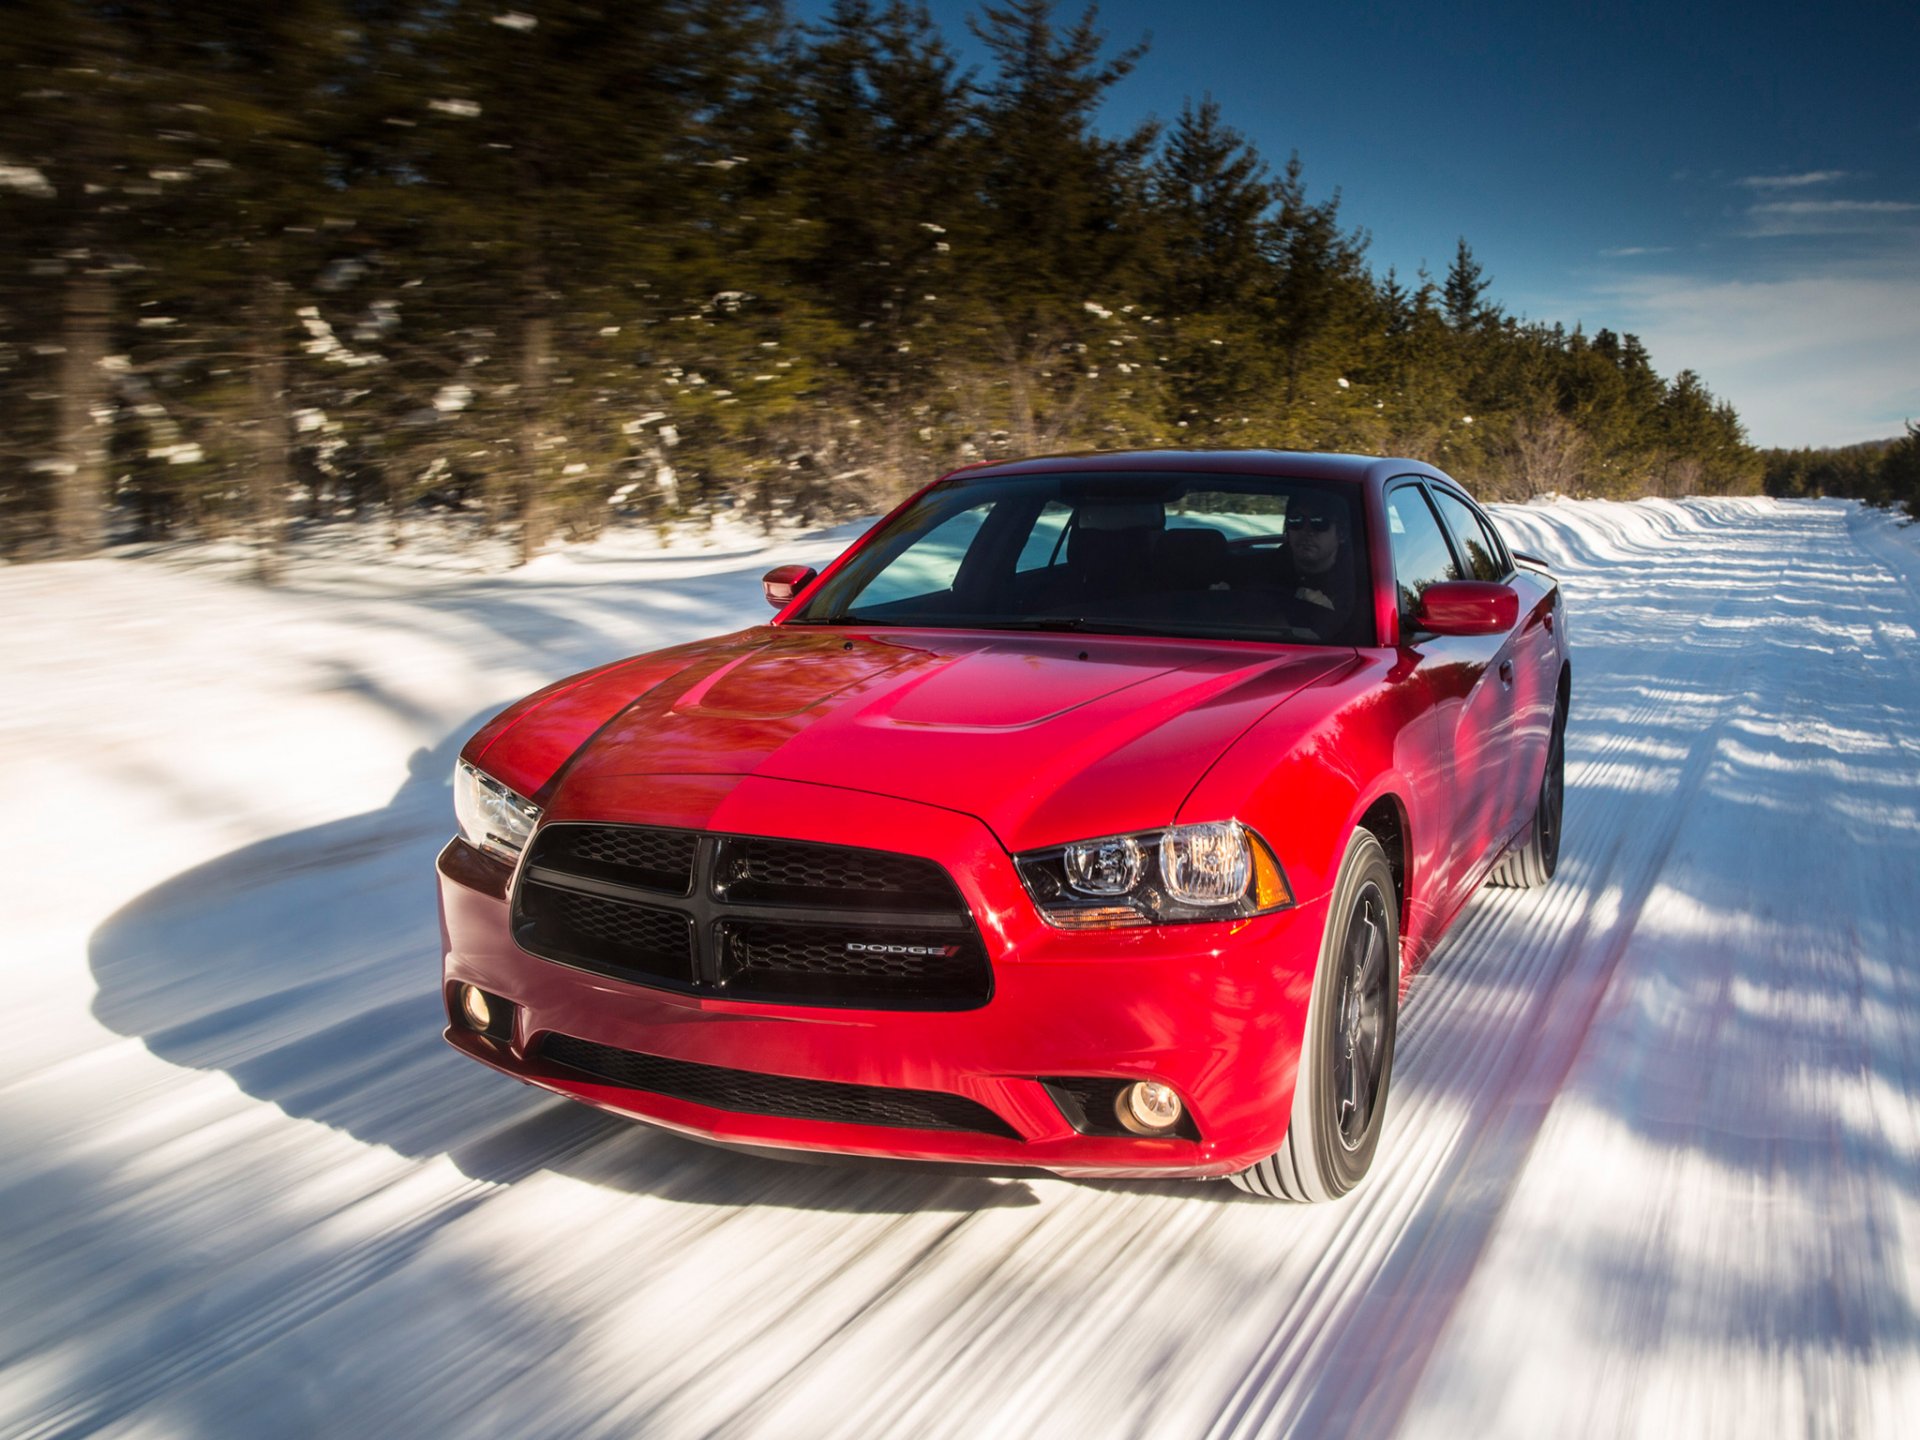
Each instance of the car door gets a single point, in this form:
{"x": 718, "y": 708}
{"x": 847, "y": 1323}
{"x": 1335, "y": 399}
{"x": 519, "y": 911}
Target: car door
{"x": 1462, "y": 686}
{"x": 1520, "y": 724}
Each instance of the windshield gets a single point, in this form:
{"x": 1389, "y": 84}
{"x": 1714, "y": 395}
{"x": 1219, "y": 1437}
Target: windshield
{"x": 1218, "y": 556}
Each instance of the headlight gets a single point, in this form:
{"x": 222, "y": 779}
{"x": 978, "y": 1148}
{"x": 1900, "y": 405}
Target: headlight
{"x": 1216, "y": 871}
{"x": 491, "y": 816}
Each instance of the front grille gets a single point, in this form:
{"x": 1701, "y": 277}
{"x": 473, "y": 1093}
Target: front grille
{"x": 747, "y": 1092}
{"x": 615, "y": 936}
{"x": 789, "y": 872}
{"x": 751, "y": 918}
{"x": 625, "y": 854}
{"x": 823, "y": 962}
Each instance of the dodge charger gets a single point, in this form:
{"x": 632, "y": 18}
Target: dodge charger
{"x": 1089, "y": 813}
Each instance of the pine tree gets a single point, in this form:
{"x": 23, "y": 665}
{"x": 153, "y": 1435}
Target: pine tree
{"x": 235, "y": 131}
{"x": 1211, "y": 196}
{"x": 1322, "y": 297}
{"x": 882, "y": 177}
{"x": 1899, "y": 477}
{"x": 1063, "y": 244}
{"x": 1465, "y": 290}
{"x": 567, "y": 176}
{"x": 68, "y": 137}
{"x": 1052, "y": 183}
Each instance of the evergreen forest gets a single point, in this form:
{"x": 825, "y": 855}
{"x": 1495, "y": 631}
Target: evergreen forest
{"x": 1880, "y": 472}
{"x": 551, "y": 264}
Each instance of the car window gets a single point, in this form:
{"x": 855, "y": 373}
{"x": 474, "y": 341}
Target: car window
{"x": 1421, "y": 556}
{"x": 930, "y": 566}
{"x": 1046, "y": 542}
{"x": 1235, "y": 557}
{"x": 1238, "y": 516}
{"x": 1481, "y": 550}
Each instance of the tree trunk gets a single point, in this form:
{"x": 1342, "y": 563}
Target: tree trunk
{"x": 270, "y": 476}
{"x": 86, "y": 399}
{"x": 536, "y": 362}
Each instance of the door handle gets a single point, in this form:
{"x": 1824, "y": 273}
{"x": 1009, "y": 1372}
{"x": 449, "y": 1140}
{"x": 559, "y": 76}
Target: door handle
{"x": 1506, "y": 672}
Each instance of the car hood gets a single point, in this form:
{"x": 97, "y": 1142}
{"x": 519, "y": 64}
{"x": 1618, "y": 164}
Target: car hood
{"x": 1043, "y": 738}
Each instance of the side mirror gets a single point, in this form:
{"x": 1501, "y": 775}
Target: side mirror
{"x": 783, "y": 582}
{"x": 1467, "y": 607}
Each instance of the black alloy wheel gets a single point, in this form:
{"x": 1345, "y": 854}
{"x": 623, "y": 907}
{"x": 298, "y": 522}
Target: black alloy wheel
{"x": 1362, "y": 1034}
{"x": 1346, "y": 1053}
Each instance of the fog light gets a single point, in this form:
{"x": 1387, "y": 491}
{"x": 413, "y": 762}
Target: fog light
{"x": 474, "y": 1006}
{"x": 1148, "y": 1108}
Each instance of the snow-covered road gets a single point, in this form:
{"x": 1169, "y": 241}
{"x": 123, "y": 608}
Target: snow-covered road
{"x": 1652, "y": 1164}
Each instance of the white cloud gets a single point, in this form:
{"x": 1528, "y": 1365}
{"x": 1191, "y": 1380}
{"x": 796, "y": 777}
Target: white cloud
{"x": 1826, "y": 217}
{"x": 1793, "y": 182}
{"x": 1629, "y": 250}
{"x": 1833, "y": 207}
{"x": 1826, "y": 358}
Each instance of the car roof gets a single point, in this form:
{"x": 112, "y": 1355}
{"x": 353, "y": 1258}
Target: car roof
{"x": 1297, "y": 464}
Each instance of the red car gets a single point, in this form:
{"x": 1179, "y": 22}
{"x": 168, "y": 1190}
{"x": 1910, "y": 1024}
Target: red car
{"x": 1087, "y": 814}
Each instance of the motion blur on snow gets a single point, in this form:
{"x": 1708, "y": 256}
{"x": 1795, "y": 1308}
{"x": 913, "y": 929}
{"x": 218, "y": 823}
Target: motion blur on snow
{"x": 1652, "y": 1163}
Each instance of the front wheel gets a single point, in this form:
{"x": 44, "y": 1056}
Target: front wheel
{"x": 1346, "y": 1055}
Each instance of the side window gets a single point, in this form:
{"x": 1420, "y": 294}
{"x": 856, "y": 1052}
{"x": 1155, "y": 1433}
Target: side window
{"x": 1482, "y": 551}
{"x": 1420, "y": 554}
{"x": 1043, "y": 547}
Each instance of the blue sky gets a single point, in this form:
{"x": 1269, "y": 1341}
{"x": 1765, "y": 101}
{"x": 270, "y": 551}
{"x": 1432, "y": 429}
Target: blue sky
{"x": 1739, "y": 185}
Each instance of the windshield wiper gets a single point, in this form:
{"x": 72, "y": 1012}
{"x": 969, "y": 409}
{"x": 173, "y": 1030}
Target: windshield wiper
{"x": 855, "y": 620}
{"x": 1037, "y": 622}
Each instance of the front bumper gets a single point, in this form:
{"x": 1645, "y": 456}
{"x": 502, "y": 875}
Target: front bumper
{"x": 1215, "y": 1010}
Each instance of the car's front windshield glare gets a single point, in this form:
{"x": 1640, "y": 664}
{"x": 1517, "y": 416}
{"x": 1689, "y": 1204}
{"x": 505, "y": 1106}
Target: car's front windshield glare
{"x": 1223, "y": 556}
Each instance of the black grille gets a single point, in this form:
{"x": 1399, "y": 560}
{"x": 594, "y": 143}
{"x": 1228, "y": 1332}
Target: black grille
{"x": 842, "y": 962}
{"x": 624, "y": 854}
{"x": 794, "y": 873}
{"x": 616, "y": 936}
{"x": 747, "y": 1092}
{"x": 751, "y": 918}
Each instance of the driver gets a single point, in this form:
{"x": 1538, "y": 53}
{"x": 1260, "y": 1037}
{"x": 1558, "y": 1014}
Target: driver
{"x": 1324, "y": 590}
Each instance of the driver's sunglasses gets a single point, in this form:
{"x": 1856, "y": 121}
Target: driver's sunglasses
{"x": 1319, "y": 524}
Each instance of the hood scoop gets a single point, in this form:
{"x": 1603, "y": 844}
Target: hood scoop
{"x": 778, "y": 682}
{"x": 1008, "y": 689}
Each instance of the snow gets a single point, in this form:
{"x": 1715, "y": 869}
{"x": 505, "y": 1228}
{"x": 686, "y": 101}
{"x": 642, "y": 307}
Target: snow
{"x": 1651, "y": 1157}
{"x": 26, "y": 179}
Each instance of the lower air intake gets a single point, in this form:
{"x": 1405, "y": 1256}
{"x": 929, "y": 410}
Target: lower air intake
{"x": 750, "y": 1093}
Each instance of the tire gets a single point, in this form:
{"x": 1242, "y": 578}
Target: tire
{"x": 1346, "y": 1055}
{"x": 1534, "y": 858}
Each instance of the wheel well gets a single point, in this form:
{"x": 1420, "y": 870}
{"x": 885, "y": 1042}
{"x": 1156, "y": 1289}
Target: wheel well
{"x": 1565, "y": 698}
{"x": 1384, "y": 821}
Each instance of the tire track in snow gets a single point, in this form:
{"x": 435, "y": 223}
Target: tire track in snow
{"x": 260, "y": 1296}
{"x": 1560, "y": 946}
{"x": 692, "y": 1292}
{"x": 1751, "y": 1079}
